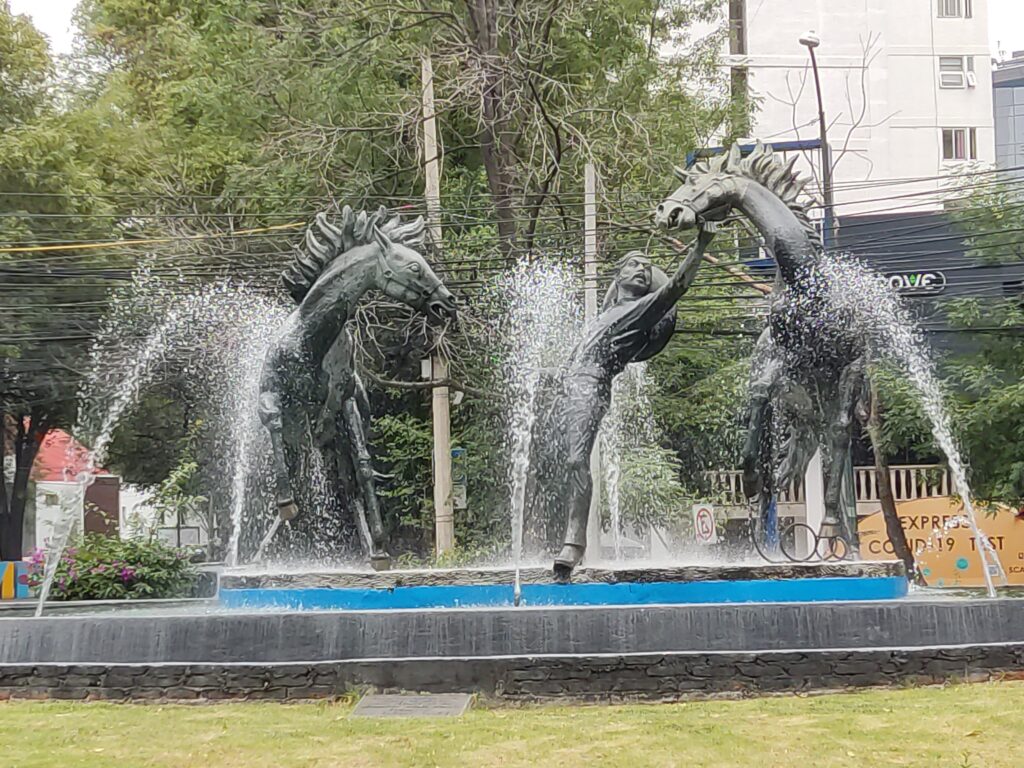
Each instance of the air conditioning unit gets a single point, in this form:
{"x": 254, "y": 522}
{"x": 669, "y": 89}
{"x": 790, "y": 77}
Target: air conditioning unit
{"x": 972, "y": 80}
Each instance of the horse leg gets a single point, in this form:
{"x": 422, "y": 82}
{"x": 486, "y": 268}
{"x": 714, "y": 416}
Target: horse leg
{"x": 272, "y": 416}
{"x": 765, "y": 372}
{"x": 840, "y": 426}
{"x": 369, "y": 510}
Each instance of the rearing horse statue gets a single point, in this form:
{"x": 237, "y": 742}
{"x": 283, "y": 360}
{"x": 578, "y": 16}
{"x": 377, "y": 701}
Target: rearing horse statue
{"x": 808, "y": 370}
{"x": 311, "y": 398}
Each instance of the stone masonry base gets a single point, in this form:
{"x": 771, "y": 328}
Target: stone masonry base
{"x": 594, "y": 677}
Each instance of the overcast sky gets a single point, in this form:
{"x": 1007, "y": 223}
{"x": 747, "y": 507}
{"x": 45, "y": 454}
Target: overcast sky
{"x": 53, "y": 17}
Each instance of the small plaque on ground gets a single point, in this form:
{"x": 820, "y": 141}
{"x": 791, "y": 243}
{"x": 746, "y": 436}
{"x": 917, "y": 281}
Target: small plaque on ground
{"x": 413, "y": 705}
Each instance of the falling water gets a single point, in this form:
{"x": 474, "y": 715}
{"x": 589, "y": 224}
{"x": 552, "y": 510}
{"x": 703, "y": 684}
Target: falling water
{"x": 611, "y": 460}
{"x": 864, "y": 298}
{"x": 125, "y": 395}
{"x": 542, "y": 322}
{"x": 216, "y": 338}
{"x": 629, "y": 425}
{"x": 249, "y": 434}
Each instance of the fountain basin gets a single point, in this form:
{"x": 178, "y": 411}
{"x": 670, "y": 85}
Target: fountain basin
{"x": 493, "y": 587}
{"x": 532, "y": 652}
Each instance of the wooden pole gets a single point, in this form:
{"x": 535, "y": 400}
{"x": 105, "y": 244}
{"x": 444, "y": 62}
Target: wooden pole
{"x": 431, "y": 157}
{"x": 444, "y": 517}
{"x": 590, "y": 242}
{"x": 590, "y": 313}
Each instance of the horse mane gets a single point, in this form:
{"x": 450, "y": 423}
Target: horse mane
{"x": 762, "y": 166}
{"x": 325, "y": 242}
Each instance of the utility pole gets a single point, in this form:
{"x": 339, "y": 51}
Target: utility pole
{"x": 431, "y": 159}
{"x": 589, "y": 314}
{"x": 444, "y": 517}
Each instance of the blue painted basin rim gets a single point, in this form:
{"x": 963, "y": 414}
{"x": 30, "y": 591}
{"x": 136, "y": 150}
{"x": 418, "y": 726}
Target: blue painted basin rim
{"x": 638, "y": 593}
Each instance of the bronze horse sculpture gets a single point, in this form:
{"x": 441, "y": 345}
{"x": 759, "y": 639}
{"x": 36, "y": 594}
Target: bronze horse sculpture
{"x": 808, "y": 371}
{"x": 312, "y": 400}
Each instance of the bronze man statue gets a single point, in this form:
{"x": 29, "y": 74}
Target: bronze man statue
{"x": 636, "y": 322}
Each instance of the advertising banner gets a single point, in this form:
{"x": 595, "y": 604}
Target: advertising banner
{"x": 949, "y": 551}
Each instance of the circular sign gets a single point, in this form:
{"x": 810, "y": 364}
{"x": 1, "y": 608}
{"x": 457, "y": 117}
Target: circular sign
{"x": 703, "y": 524}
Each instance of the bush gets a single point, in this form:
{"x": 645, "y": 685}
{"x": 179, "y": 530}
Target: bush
{"x": 103, "y": 568}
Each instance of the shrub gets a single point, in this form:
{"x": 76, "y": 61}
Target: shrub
{"x": 103, "y": 568}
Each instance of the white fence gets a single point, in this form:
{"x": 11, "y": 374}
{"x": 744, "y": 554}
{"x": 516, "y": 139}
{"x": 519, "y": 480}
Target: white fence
{"x": 911, "y": 481}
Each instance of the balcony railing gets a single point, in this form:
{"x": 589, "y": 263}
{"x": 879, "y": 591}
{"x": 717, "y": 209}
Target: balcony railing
{"x": 910, "y": 481}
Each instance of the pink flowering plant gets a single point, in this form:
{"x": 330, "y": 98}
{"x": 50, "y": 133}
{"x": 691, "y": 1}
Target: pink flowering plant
{"x": 104, "y": 568}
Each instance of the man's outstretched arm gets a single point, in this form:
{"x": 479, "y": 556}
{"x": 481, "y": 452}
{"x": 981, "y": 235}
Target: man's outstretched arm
{"x": 681, "y": 279}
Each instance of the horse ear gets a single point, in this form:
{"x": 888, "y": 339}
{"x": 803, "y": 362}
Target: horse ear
{"x": 359, "y": 227}
{"x": 383, "y": 242}
{"x": 681, "y": 173}
{"x": 735, "y": 155}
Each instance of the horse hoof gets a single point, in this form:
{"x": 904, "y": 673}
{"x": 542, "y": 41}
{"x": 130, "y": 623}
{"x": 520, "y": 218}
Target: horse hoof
{"x": 380, "y": 562}
{"x": 287, "y": 510}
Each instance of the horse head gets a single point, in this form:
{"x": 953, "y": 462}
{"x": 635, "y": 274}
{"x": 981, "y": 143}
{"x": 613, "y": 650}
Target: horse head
{"x": 403, "y": 274}
{"x": 388, "y": 248}
{"x": 708, "y": 193}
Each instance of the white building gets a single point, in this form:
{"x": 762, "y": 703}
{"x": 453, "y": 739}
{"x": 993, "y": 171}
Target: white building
{"x": 906, "y": 86}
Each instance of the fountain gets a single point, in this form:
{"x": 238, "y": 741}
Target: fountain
{"x": 809, "y": 369}
{"x": 520, "y": 630}
{"x": 541, "y": 321}
{"x": 217, "y": 332}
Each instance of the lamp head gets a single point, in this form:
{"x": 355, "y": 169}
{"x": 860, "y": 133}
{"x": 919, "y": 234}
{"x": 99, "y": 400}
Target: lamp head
{"x": 811, "y": 40}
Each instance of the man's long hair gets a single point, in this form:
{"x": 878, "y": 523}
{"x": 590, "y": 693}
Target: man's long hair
{"x": 658, "y": 278}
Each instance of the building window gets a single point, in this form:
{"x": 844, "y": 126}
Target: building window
{"x": 956, "y": 9}
{"x": 959, "y": 143}
{"x": 956, "y": 71}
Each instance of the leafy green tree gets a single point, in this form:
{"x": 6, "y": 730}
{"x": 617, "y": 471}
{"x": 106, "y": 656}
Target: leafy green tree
{"x": 982, "y": 370}
{"x": 196, "y": 118}
{"x": 50, "y": 293}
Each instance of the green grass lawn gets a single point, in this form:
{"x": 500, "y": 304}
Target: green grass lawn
{"x": 973, "y": 725}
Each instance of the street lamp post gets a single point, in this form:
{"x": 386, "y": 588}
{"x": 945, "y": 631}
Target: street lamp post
{"x": 817, "y": 517}
{"x": 812, "y": 41}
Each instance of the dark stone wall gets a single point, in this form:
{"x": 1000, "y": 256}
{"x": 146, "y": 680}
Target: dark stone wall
{"x": 275, "y": 638}
{"x": 623, "y": 677}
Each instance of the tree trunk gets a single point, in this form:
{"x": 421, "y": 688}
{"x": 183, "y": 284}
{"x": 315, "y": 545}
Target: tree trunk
{"x": 498, "y": 156}
{"x": 893, "y": 527}
{"x": 26, "y": 447}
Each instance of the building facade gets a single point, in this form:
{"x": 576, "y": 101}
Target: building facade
{"x": 906, "y": 89}
{"x": 1008, "y": 97}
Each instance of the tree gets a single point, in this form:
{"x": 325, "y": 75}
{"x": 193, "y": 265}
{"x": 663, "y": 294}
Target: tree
{"x": 48, "y": 299}
{"x": 226, "y": 115}
{"x": 983, "y": 364}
